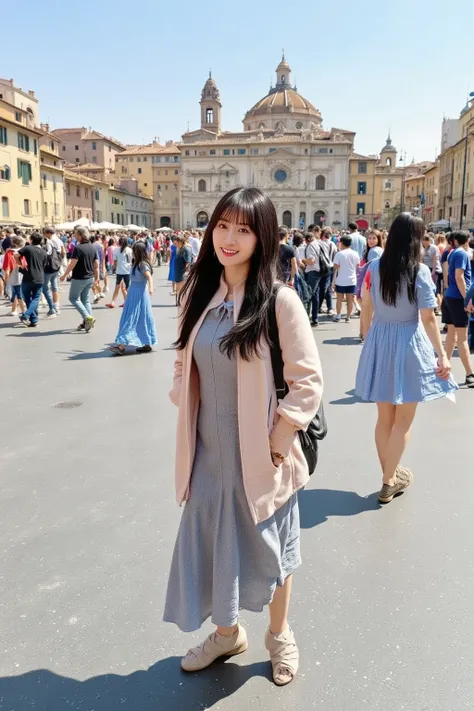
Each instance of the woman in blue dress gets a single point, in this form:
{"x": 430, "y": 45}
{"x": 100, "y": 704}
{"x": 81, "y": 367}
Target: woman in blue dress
{"x": 137, "y": 325}
{"x": 398, "y": 367}
{"x": 172, "y": 262}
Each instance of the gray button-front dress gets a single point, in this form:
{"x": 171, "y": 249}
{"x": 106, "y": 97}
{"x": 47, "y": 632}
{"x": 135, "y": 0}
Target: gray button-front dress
{"x": 222, "y": 561}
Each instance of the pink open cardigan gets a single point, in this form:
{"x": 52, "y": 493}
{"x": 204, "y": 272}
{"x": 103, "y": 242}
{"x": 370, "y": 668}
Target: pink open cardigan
{"x": 266, "y": 487}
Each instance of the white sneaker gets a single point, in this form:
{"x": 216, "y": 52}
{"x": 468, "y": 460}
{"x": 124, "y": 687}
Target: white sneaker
{"x": 51, "y": 315}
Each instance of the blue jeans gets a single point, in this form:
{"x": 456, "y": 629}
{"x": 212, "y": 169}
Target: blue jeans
{"x": 314, "y": 281}
{"x": 79, "y": 296}
{"x": 50, "y": 279}
{"x": 325, "y": 290}
{"x": 31, "y": 296}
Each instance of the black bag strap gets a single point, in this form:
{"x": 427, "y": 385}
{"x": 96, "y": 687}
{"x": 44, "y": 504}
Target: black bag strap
{"x": 275, "y": 348}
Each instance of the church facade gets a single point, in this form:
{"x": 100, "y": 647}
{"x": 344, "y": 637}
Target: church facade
{"x": 283, "y": 149}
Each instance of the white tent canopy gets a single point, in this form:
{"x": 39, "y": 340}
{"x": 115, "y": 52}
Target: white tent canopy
{"x": 81, "y": 222}
{"x": 108, "y": 226}
{"x": 165, "y": 229}
{"x": 442, "y": 224}
{"x": 134, "y": 228}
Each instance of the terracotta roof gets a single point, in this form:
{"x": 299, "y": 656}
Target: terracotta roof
{"x": 67, "y": 130}
{"x": 78, "y": 178}
{"x": 171, "y": 149}
{"x": 358, "y": 156}
{"x": 84, "y": 166}
{"x": 224, "y": 140}
{"x": 87, "y": 135}
{"x": 283, "y": 99}
{"x": 150, "y": 149}
{"x": 414, "y": 176}
{"x": 142, "y": 150}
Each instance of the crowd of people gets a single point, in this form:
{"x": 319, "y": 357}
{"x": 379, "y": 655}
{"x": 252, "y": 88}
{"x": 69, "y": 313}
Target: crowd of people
{"x": 33, "y": 266}
{"x": 240, "y": 459}
{"x": 322, "y": 262}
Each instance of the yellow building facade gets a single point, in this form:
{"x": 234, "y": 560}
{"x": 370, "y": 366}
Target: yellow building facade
{"x": 362, "y": 190}
{"x": 167, "y": 187}
{"x": 117, "y": 209}
{"x": 414, "y": 193}
{"x": 20, "y": 190}
{"x": 52, "y": 179}
{"x": 431, "y": 209}
{"x": 137, "y": 162}
{"x": 375, "y": 188}
{"x": 157, "y": 170}
{"x": 456, "y": 167}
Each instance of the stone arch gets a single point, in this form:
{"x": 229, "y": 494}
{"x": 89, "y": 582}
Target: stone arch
{"x": 202, "y": 218}
{"x": 320, "y": 182}
{"x": 319, "y": 218}
{"x": 287, "y": 218}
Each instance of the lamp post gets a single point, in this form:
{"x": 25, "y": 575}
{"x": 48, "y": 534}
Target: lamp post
{"x": 463, "y": 189}
{"x": 403, "y": 158}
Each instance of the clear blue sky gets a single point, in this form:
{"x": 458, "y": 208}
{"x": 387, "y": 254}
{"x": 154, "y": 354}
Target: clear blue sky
{"x": 136, "y": 70}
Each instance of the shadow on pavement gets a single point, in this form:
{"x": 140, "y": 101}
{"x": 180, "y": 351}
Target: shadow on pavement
{"x": 93, "y": 355}
{"x": 162, "y": 687}
{"x": 351, "y": 399}
{"x": 317, "y": 505}
{"x": 37, "y": 333}
{"x": 343, "y": 341}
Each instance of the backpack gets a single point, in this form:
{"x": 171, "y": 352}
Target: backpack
{"x": 54, "y": 261}
{"x": 324, "y": 263}
{"x": 318, "y": 427}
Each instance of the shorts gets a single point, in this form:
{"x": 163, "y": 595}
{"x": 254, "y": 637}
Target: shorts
{"x": 345, "y": 289}
{"x": 125, "y": 278}
{"x": 454, "y": 313}
{"x": 16, "y": 292}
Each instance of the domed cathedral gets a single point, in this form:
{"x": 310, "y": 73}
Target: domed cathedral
{"x": 283, "y": 107}
{"x": 283, "y": 149}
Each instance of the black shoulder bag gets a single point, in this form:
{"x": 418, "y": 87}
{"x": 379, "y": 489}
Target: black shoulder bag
{"x": 318, "y": 427}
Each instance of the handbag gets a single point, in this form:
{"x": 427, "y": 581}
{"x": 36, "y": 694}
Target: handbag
{"x": 318, "y": 428}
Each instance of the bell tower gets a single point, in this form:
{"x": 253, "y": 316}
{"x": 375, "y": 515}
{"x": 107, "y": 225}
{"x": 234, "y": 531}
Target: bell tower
{"x": 211, "y": 106}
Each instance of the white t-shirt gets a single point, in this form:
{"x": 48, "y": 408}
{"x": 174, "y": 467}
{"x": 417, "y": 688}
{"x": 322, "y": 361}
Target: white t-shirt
{"x": 195, "y": 246}
{"x": 348, "y": 260}
{"x": 124, "y": 260}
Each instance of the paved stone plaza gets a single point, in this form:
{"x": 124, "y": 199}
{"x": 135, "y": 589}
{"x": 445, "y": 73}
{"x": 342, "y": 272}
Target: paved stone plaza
{"x": 383, "y": 605}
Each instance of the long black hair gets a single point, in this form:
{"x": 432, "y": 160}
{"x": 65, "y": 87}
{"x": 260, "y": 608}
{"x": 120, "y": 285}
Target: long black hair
{"x": 253, "y": 208}
{"x": 140, "y": 256}
{"x": 400, "y": 261}
{"x": 123, "y": 243}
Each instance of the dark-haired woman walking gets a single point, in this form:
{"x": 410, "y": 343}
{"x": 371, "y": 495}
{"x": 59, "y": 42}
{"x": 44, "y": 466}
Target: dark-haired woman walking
{"x": 398, "y": 368}
{"x": 123, "y": 266}
{"x": 239, "y": 461}
{"x": 137, "y": 325}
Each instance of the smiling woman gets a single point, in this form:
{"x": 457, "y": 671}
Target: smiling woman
{"x": 239, "y": 462}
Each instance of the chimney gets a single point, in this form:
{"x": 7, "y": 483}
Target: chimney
{"x": 31, "y": 93}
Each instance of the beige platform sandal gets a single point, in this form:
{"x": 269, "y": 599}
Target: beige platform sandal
{"x": 284, "y": 656}
{"x": 214, "y": 646}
